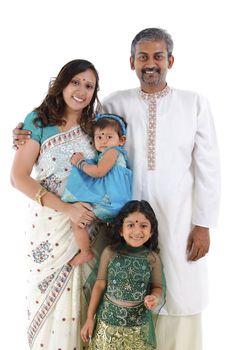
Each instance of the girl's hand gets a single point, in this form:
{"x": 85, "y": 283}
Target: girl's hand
{"x": 151, "y": 301}
{"x": 81, "y": 214}
{"x": 76, "y": 157}
{"x": 87, "y": 330}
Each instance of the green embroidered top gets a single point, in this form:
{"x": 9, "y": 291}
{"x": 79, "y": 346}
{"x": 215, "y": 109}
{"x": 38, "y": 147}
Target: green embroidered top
{"x": 130, "y": 273}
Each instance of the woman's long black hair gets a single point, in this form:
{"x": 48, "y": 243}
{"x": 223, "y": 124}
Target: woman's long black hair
{"x": 129, "y": 208}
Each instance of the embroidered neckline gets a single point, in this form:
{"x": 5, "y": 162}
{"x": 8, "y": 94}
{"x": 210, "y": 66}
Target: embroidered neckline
{"x": 159, "y": 94}
{"x": 151, "y": 100}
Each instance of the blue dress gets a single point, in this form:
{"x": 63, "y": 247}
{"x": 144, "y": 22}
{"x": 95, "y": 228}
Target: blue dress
{"x": 106, "y": 194}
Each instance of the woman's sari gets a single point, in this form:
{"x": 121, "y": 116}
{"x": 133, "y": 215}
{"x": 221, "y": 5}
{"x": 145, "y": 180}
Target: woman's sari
{"x": 56, "y": 302}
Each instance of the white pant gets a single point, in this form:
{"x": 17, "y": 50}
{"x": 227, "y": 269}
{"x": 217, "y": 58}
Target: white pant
{"x": 179, "y": 332}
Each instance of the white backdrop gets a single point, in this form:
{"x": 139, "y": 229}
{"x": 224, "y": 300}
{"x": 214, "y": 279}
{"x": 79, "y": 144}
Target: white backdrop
{"x": 38, "y": 38}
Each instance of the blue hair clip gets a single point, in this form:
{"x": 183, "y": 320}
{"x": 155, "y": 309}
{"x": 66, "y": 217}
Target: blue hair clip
{"x": 114, "y": 117}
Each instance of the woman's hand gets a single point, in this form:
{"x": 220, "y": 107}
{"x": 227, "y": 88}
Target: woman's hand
{"x": 20, "y": 136}
{"x": 81, "y": 214}
{"x": 87, "y": 330}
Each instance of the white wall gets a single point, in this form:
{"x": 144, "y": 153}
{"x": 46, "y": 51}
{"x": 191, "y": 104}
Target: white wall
{"x": 38, "y": 38}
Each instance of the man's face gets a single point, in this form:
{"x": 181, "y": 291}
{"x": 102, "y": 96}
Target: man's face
{"x": 151, "y": 63}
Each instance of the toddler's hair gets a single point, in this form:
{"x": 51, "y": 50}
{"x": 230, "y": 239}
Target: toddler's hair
{"x": 108, "y": 120}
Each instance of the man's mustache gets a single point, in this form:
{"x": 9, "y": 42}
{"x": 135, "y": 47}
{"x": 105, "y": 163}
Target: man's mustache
{"x": 151, "y": 70}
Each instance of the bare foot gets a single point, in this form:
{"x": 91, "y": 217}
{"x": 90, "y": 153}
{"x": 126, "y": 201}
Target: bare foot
{"x": 82, "y": 257}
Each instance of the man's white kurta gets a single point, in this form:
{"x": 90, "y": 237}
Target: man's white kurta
{"x": 184, "y": 187}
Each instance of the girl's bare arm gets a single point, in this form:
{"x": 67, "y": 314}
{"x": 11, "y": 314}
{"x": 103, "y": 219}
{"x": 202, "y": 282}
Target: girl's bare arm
{"x": 104, "y": 165}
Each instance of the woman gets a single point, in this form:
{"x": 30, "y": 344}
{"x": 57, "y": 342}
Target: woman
{"x": 60, "y": 126}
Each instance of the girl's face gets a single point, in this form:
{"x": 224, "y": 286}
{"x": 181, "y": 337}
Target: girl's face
{"x": 107, "y": 137}
{"x": 136, "y": 229}
{"x": 79, "y": 92}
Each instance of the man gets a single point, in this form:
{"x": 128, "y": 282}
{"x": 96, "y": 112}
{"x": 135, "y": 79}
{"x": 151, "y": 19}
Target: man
{"x": 173, "y": 153}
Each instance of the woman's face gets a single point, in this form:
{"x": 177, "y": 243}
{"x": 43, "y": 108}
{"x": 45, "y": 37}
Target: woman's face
{"x": 79, "y": 92}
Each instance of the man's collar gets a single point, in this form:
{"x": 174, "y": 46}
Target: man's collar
{"x": 159, "y": 94}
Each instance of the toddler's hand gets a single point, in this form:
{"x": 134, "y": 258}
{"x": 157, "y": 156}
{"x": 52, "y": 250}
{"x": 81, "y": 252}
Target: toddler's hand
{"x": 76, "y": 157}
{"x": 151, "y": 301}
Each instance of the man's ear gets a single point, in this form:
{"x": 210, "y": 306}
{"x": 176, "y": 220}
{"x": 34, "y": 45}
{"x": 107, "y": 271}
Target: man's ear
{"x": 170, "y": 62}
{"x": 132, "y": 63}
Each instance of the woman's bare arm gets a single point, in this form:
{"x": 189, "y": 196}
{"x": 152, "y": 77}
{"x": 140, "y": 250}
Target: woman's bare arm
{"x": 21, "y": 179}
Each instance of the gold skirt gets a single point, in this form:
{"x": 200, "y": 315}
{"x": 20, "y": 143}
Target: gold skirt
{"x": 107, "y": 337}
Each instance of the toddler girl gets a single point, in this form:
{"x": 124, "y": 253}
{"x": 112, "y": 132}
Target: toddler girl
{"x": 106, "y": 182}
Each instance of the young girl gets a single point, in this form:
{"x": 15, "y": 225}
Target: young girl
{"x": 129, "y": 284}
{"x": 106, "y": 184}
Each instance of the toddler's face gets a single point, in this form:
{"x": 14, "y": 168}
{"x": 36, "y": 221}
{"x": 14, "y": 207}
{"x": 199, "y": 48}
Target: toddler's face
{"x": 107, "y": 137}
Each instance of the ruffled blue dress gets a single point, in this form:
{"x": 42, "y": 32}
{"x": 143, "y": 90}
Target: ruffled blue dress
{"x": 106, "y": 194}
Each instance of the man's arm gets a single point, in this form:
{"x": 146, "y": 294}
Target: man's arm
{"x": 206, "y": 168}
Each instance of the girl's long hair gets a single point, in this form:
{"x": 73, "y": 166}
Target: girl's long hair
{"x": 129, "y": 208}
{"x": 51, "y": 111}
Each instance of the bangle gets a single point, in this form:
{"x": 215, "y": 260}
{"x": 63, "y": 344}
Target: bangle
{"x": 39, "y": 194}
{"x": 80, "y": 164}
